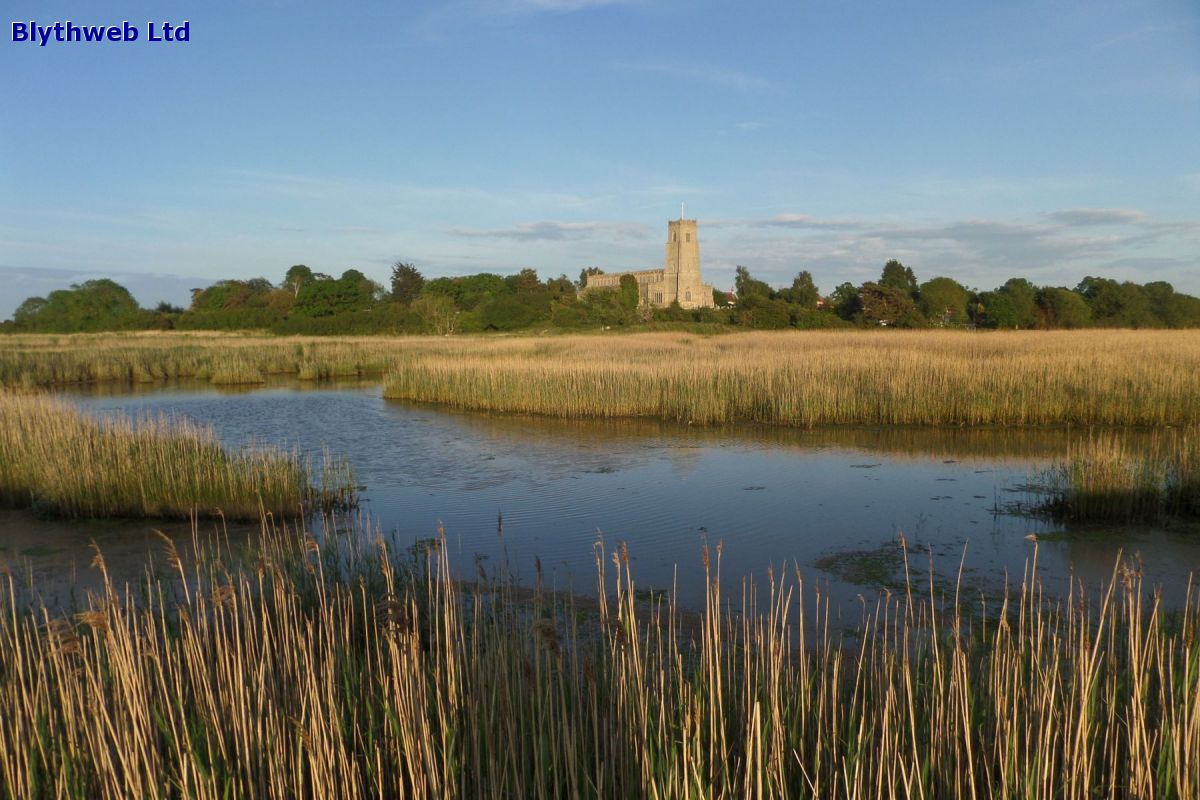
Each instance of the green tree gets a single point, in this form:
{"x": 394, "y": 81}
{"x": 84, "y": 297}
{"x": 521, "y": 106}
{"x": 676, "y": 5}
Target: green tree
{"x": 296, "y": 277}
{"x": 1173, "y": 309}
{"x": 747, "y": 287}
{"x": 437, "y": 313}
{"x": 1023, "y": 296}
{"x": 944, "y": 302}
{"x": 508, "y": 312}
{"x": 846, "y": 301}
{"x": 889, "y": 306}
{"x": 583, "y": 275}
{"x": 803, "y": 292}
{"x": 560, "y": 289}
{"x": 897, "y": 276}
{"x": 469, "y": 291}
{"x": 525, "y": 282}
{"x": 407, "y": 283}
{"x": 231, "y": 295}
{"x": 603, "y": 307}
{"x": 95, "y": 304}
{"x": 238, "y": 305}
{"x": 761, "y": 312}
{"x": 1062, "y": 308}
{"x": 630, "y": 296}
{"x": 323, "y": 297}
{"x": 27, "y": 313}
{"x": 1117, "y": 305}
{"x": 997, "y": 311}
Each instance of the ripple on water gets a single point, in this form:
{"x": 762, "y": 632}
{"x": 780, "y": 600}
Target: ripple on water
{"x": 771, "y": 495}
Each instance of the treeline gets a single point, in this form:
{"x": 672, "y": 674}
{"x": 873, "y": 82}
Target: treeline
{"x": 307, "y": 302}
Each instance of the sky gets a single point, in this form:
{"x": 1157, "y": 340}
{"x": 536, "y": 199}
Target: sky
{"x": 978, "y": 140}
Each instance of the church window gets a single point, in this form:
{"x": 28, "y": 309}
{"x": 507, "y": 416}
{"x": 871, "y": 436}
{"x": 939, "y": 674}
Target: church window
{"x": 658, "y": 297}
{"x": 689, "y": 236}
{"x": 688, "y": 295}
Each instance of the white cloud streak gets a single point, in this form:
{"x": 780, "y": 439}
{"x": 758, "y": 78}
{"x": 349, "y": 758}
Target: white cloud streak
{"x": 716, "y": 76}
{"x": 550, "y": 231}
{"x": 1059, "y": 247}
{"x": 1084, "y": 217}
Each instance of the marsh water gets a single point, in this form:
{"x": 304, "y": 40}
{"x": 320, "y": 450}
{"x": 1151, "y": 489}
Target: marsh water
{"x": 507, "y": 490}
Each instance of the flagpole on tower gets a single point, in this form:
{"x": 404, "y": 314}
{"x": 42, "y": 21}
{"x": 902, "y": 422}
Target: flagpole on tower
{"x": 681, "y": 210}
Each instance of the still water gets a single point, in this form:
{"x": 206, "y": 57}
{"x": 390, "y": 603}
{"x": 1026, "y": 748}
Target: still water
{"x": 831, "y": 502}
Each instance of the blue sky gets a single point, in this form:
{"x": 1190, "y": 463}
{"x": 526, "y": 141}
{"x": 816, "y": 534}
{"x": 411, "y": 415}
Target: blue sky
{"x": 979, "y": 140}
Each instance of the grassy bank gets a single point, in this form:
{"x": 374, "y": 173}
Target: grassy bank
{"x": 1105, "y": 479}
{"x": 143, "y": 358}
{"x": 322, "y": 671}
{"x": 1096, "y": 377}
{"x": 62, "y": 462}
{"x": 805, "y": 379}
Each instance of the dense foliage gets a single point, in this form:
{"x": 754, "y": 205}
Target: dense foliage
{"x": 99, "y": 305}
{"x": 307, "y": 302}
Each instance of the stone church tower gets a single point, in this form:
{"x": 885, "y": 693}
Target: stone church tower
{"x": 678, "y": 281}
{"x": 682, "y": 265}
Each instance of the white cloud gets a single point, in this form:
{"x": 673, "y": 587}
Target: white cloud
{"x": 448, "y": 15}
{"x": 1057, "y": 248}
{"x": 713, "y": 75}
{"x": 553, "y": 6}
{"x": 558, "y": 231}
{"x": 1082, "y": 217}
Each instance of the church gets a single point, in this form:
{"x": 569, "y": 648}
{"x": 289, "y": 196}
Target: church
{"x": 678, "y": 280}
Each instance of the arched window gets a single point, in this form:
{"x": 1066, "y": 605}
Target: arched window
{"x": 688, "y": 295}
{"x": 689, "y": 236}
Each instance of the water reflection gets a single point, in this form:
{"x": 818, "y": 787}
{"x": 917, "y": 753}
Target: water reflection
{"x": 832, "y": 501}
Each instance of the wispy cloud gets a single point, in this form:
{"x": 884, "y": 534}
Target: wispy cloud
{"x": 713, "y": 75}
{"x": 1058, "y": 247}
{"x": 749, "y": 126}
{"x": 1084, "y": 217}
{"x": 549, "y": 231}
{"x": 1148, "y": 30}
{"x": 551, "y": 6}
{"x": 802, "y": 221}
{"x": 310, "y": 187}
{"x": 448, "y": 15}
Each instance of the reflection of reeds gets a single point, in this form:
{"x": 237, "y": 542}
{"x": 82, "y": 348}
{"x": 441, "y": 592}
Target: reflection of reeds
{"x": 1096, "y": 377}
{"x": 1105, "y": 479}
{"x": 231, "y": 372}
{"x": 326, "y": 671}
{"x": 62, "y": 462}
